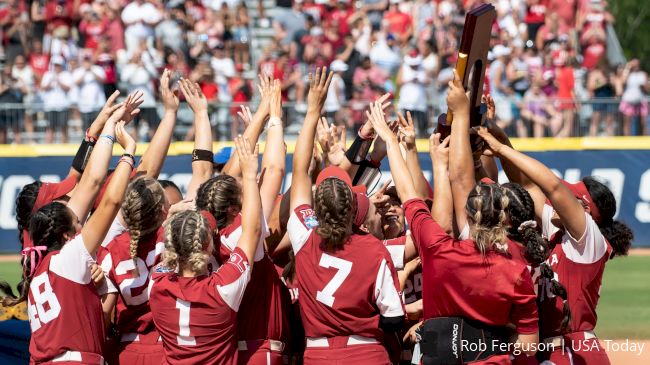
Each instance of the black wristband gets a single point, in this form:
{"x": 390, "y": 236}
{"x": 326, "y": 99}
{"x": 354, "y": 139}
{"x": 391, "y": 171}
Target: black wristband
{"x": 83, "y": 155}
{"x": 366, "y": 173}
{"x": 129, "y": 156}
{"x": 358, "y": 150}
{"x": 202, "y": 155}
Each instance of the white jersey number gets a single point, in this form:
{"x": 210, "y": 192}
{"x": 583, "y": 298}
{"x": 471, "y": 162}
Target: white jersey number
{"x": 326, "y": 296}
{"x": 139, "y": 280}
{"x": 46, "y": 306}
{"x": 184, "y": 337}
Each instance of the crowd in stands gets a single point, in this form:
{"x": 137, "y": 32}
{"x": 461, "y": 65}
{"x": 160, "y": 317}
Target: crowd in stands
{"x": 550, "y": 59}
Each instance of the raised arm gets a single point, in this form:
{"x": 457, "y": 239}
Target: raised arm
{"x": 95, "y": 230}
{"x": 319, "y": 82}
{"x": 461, "y": 162}
{"x": 202, "y": 164}
{"x": 407, "y": 140}
{"x": 255, "y": 128}
{"x": 251, "y": 203}
{"x": 443, "y": 205}
{"x": 400, "y": 173}
{"x": 92, "y": 179}
{"x": 275, "y": 152}
{"x": 154, "y": 157}
{"x": 570, "y": 210}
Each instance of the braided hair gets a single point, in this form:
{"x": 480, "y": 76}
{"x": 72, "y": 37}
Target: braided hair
{"x": 185, "y": 243}
{"x": 24, "y": 206}
{"x": 618, "y": 234}
{"x": 219, "y": 196}
{"x": 48, "y": 228}
{"x": 142, "y": 210}
{"x": 521, "y": 211}
{"x": 486, "y": 210}
{"x": 333, "y": 205}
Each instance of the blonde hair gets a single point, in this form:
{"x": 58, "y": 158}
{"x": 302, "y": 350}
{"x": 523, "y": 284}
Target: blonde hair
{"x": 142, "y": 209}
{"x": 486, "y": 208}
{"x": 185, "y": 238}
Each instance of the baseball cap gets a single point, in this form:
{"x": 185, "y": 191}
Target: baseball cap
{"x": 49, "y": 192}
{"x": 500, "y": 50}
{"x": 580, "y": 191}
{"x": 222, "y": 156}
{"x": 338, "y": 65}
{"x": 58, "y": 60}
{"x": 362, "y": 201}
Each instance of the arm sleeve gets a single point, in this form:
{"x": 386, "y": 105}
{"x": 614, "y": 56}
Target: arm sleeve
{"x": 301, "y": 223}
{"x": 524, "y": 307}
{"x": 73, "y": 261}
{"x": 115, "y": 230}
{"x": 232, "y": 279}
{"x": 548, "y": 229}
{"x": 589, "y": 248}
{"x": 425, "y": 231}
{"x": 388, "y": 298}
{"x": 105, "y": 261}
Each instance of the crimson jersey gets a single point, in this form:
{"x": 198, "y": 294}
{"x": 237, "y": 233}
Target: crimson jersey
{"x": 262, "y": 312}
{"x": 65, "y": 313}
{"x": 196, "y": 315}
{"x": 130, "y": 278}
{"x": 344, "y": 292}
{"x": 494, "y": 289}
{"x": 578, "y": 264}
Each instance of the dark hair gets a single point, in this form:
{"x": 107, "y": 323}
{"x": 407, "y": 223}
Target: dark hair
{"x": 486, "y": 207}
{"x": 170, "y": 184}
{"x": 333, "y": 205}
{"x": 289, "y": 271}
{"x": 185, "y": 238}
{"x": 537, "y": 249}
{"x": 618, "y": 234}
{"x": 142, "y": 210}
{"x": 217, "y": 196}
{"x": 24, "y": 206}
{"x": 46, "y": 228}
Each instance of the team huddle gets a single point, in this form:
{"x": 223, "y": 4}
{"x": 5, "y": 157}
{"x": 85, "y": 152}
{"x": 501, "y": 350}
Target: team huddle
{"x": 121, "y": 268}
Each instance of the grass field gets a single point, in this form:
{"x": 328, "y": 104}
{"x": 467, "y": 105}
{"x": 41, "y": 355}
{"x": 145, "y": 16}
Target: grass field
{"x": 623, "y": 310}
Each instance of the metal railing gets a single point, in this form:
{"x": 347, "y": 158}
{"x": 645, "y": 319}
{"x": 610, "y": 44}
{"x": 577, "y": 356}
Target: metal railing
{"x": 599, "y": 117}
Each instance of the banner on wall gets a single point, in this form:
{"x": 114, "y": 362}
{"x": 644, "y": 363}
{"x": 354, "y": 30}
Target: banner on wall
{"x": 626, "y": 172}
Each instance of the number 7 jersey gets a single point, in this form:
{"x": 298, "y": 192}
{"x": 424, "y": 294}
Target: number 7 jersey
{"x": 344, "y": 292}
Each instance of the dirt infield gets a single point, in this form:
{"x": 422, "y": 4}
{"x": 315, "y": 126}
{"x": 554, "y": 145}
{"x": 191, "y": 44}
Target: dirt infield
{"x": 618, "y": 355}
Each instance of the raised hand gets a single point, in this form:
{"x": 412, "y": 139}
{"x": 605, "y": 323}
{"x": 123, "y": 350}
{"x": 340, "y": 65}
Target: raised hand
{"x": 169, "y": 99}
{"x": 109, "y": 108}
{"x": 124, "y": 138}
{"x": 96, "y": 274}
{"x": 132, "y": 106}
{"x": 406, "y": 132}
{"x": 492, "y": 143}
{"x": 366, "y": 129}
{"x": 245, "y": 115}
{"x": 323, "y": 134}
{"x": 275, "y": 100}
{"x": 265, "y": 87}
{"x": 439, "y": 151}
{"x": 247, "y": 157}
{"x": 380, "y": 197}
{"x": 376, "y": 117}
{"x": 457, "y": 100}
{"x": 319, "y": 82}
{"x": 491, "y": 109}
{"x": 194, "y": 96}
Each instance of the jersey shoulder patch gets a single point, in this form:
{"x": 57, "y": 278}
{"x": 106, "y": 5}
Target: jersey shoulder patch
{"x": 308, "y": 216}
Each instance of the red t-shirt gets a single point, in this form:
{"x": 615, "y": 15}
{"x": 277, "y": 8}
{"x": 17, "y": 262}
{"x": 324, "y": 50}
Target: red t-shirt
{"x": 493, "y": 289}
{"x": 342, "y": 293}
{"x": 130, "y": 278}
{"x": 39, "y": 63}
{"x": 65, "y": 313}
{"x": 398, "y": 22}
{"x": 535, "y": 13}
{"x": 579, "y": 265}
{"x": 196, "y": 316}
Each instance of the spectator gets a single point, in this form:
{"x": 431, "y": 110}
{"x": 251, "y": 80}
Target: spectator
{"x": 499, "y": 86}
{"x": 39, "y": 61}
{"x": 601, "y": 87}
{"x": 115, "y": 31}
{"x": 139, "y": 74}
{"x": 55, "y": 86}
{"x": 385, "y": 55}
{"x": 593, "y": 37}
{"x": 534, "y": 18}
{"x": 288, "y": 22}
{"x": 24, "y": 80}
{"x": 241, "y": 92}
{"x": 170, "y": 32}
{"x": 371, "y": 79}
{"x": 106, "y": 60}
{"x": 336, "y": 93}
{"x": 338, "y": 17}
{"x": 374, "y": 10}
{"x": 412, "y": 79}
{"x": 10, "y": 117}
{"x": 59, "y": 16}
{"x": 634, "y": 102}
{"x": 91, "y": 27}
{"x": 89, "y": 78}
{"x": 565, "y": 82}
{"x": 398, "y": 22}
{"x": 140, "y": 17}
{"x": 241, "y": 36}
{"x": 14, "y": 22}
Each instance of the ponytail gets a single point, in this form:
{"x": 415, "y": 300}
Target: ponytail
{"x": 486, "y": 207}
{"x": 333, "y": 205}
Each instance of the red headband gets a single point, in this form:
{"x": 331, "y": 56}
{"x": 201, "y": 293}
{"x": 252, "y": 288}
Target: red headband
{"x": 49, "y": 192}
{"x": 362, "y": 201}
{"x": 580, "y": 191}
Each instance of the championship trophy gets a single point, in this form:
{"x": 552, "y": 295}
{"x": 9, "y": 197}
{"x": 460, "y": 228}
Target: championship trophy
{"x": 471, "y": 66}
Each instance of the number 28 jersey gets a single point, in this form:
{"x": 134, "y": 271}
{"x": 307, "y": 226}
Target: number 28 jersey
{"x": 343, "y": 292}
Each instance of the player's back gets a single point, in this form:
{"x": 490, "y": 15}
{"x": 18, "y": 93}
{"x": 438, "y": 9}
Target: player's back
{"x": 196, "y": 315}
{"x": 130, "y": 278}
{"x": 65, "y": 312}
{"x": 338, "y": 289}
